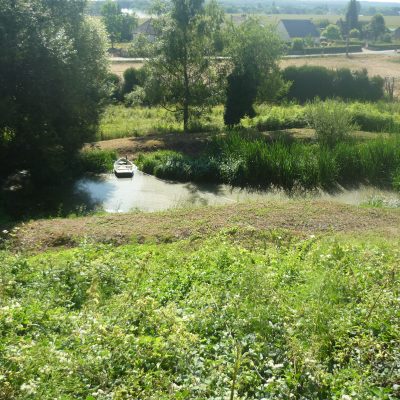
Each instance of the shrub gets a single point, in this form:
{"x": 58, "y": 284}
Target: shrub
{"x": 298, "y": 44}
{"x": 136, "y": 97}
{"x": 241, "y": 93}
{"x": 95, "y": 161}
{"x": 309, "y": 82}
{"x": 133, "y": 77}
{"x": 331, "y": 120}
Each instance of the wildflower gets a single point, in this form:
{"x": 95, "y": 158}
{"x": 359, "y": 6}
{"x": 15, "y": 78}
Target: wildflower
{"x": 5, "y": 231}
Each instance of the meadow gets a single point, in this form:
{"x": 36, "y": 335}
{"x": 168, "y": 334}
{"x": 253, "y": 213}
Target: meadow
{"x": 119, "y": 121}
{"x": 238, "y": 315}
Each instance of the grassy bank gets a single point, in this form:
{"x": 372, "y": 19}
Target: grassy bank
{"x": 275, "y": 317}
{"x": 119, "y": 121}
{"x": 249, "y": 160}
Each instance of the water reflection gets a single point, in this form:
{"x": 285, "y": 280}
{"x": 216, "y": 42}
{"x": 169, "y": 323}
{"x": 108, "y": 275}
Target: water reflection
{"x": 147, "y": 193}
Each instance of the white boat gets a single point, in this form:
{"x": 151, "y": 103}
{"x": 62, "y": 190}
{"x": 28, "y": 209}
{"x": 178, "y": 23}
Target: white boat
{"x": 123, "y": 167}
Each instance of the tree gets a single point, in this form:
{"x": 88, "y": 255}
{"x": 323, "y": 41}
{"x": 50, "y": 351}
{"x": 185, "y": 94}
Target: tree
{"x": 332, "y": 32}
{"x": 182, "y": 68}
{"x": 353, "y": 10}
{"x": 119, "y": 26}
{"x": 254, "y": 51}
{"x": 53, "y": 67}
{"x": 377, "y": 26}
{"x": 112, "y": 17}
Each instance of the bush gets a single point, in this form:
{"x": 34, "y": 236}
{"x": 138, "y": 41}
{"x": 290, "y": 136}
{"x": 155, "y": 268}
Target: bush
{"x": 309, "y": 82}
{"x": 135, "y": 98}
{"x": 95, "y": 161}
{"x": 327, "y": 50}
{"x": 241, "y": 93}
{"x": 298, "y": 44}
{"x": 331, "y": 120}
{"x": 133, "y": 77}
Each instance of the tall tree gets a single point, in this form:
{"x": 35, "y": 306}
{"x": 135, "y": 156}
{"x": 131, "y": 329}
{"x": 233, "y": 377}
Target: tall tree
{"x": 353, "y": 10}
{"x": 52, "y": 69}
{"x": 113, "y": 20}
{"x": 254, "y": 51}
{"x": 182, "y": 66}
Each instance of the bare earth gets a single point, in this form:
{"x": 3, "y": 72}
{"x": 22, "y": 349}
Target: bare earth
{"x": 298, "y": 217}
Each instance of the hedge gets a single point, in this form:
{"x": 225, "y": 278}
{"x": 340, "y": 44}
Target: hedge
{"x": 309, "y": 82}
{"x": 326, "y": 50}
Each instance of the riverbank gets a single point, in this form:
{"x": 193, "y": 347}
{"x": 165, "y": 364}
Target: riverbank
{"x": 299, "y": 217}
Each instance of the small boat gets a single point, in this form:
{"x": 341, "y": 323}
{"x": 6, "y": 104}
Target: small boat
{"x": 123, "y": 167}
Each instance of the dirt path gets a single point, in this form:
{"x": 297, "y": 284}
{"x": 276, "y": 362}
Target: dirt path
{"x": 300, "y": 217}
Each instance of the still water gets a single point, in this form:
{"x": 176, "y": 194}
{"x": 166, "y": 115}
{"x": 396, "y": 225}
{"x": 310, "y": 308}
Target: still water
{"x": 147, "y": 193}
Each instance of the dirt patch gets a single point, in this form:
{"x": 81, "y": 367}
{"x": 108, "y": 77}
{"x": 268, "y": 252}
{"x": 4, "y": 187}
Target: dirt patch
{"x": 188, "y": 143}
{"x": 301, "y": 217}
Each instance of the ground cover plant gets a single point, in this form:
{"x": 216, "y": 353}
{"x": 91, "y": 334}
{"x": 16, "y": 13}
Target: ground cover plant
{"x": 273, "y": 316}
{"x": 119, "y": 121}
{"x": 243, "y": 159}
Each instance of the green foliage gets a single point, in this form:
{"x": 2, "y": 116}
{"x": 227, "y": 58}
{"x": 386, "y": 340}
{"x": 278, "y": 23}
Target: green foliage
{"x": 183, "y": 73}
{"x": 331, "y": 120}
{"x": 133, "y": 77}
{"x": 95, "y": 161}
{"x": 308, "y": 82}
{"x": 332, "y": 32}
{"x": 352, "y": 15}
{"x": 355, "y": 34}
{"x": 135, "y": 98}
{"x": 298, "y": 44}
{"x": 249, "y": 160}
{"x": 119, "y": 26}
{"x": 53, "y": 67}
{"x": 314, "y": 318}
{"x": 119, "y": 121}
{"x": 254, "y": 51}
{"x": 377, "y": 26}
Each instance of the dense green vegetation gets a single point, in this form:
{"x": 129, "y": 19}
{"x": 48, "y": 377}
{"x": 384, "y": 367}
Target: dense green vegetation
{"x": 244, "y": 159}
{"x": 276, "y": 318}
{"x": 52, "y": 71}
{"x": 119, "y": 121}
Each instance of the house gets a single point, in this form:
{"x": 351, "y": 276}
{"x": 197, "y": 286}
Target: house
{"x": 146, "y": 29}
{"x": 289, "y": 29}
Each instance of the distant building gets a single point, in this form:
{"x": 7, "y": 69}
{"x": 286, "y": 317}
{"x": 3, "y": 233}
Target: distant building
{"x": 289, "y": 29}
{"x": 146, "y": 29}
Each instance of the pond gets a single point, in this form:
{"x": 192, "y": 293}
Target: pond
{"x": 147, "y": 193}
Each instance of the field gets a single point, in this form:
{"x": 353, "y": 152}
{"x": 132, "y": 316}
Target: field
{"x": 376, "y": 64}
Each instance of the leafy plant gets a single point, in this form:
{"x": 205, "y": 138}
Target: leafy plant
{"x": 331, "y": 120}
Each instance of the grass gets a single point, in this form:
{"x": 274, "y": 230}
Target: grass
{"x": 249, "y": 160}
{"x": 119, "y": 121}
{"x": 276, "y": 316}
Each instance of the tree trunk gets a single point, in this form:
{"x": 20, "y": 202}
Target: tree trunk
{"x": 186, "y": 96}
